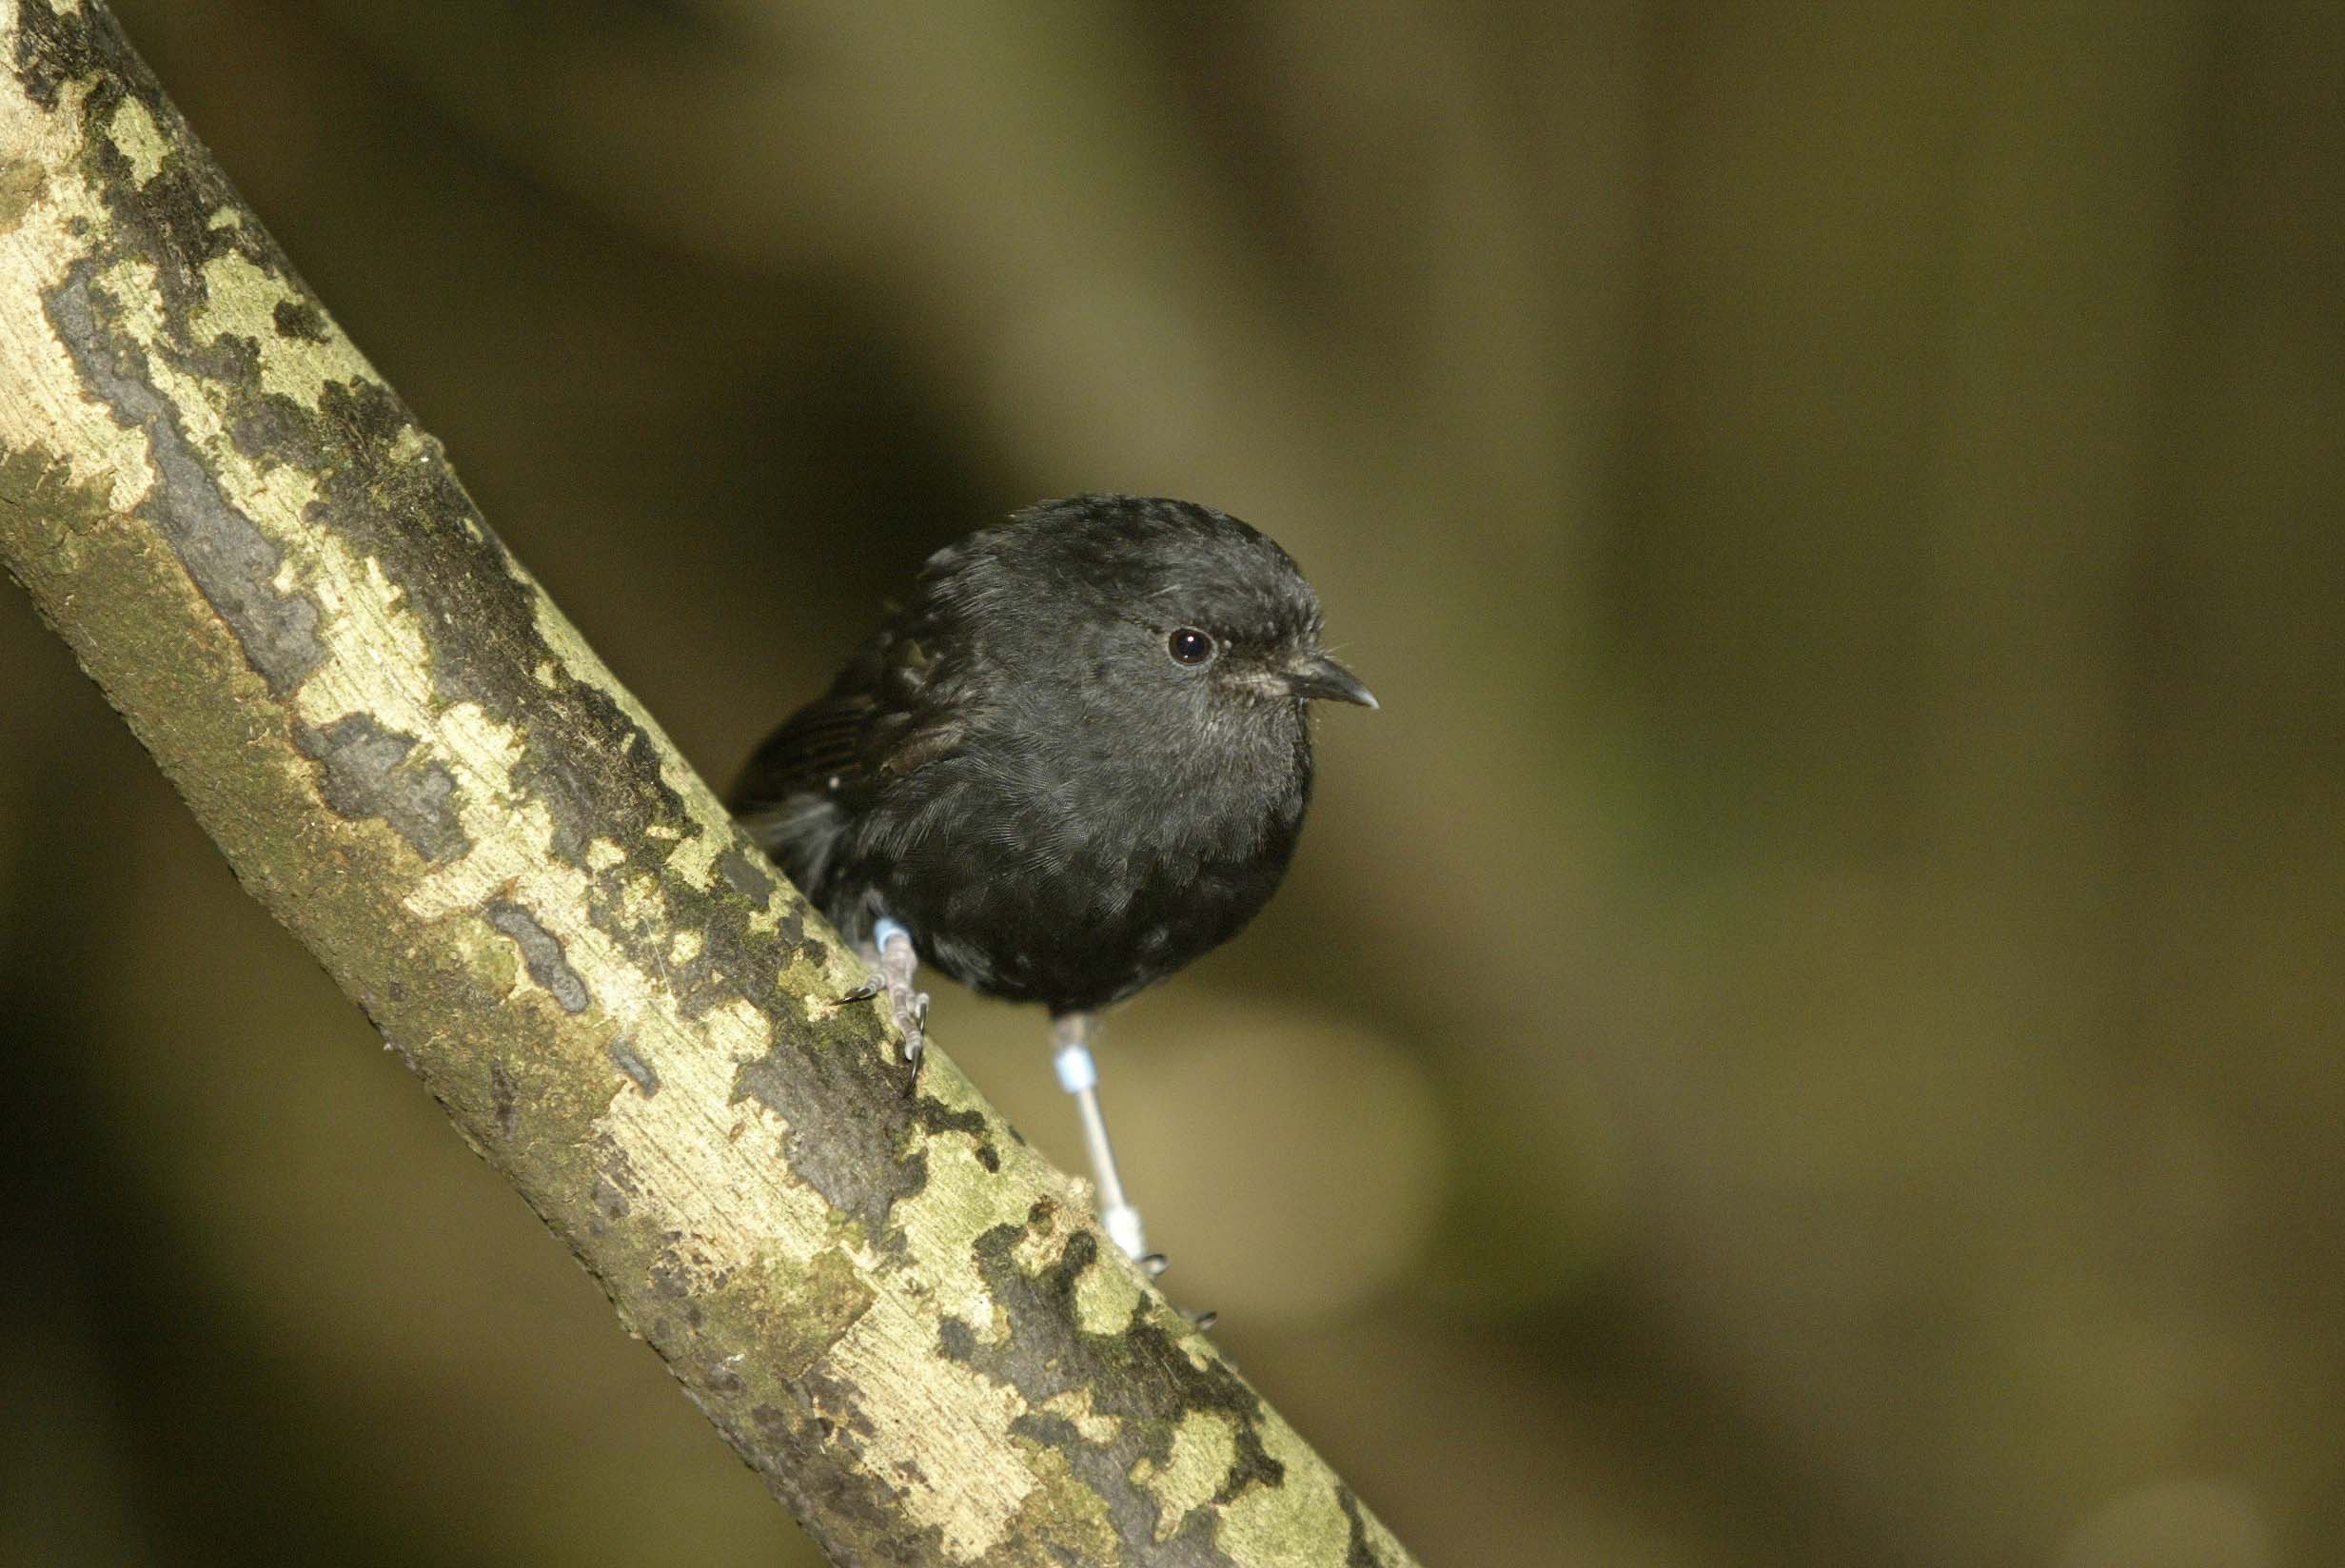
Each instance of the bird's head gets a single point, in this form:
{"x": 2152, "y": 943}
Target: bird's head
{"x": 1177, "y": 606}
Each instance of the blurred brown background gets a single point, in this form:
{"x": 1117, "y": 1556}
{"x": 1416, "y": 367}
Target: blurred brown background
{"x": 1806, "y": 1031}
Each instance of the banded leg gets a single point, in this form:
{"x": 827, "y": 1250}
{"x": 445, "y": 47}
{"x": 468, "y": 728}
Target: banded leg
{"x": 1078, "y": 1074}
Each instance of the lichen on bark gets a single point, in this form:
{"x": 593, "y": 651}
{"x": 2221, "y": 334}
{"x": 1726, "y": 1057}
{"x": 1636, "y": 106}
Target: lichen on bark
{"x": 900, "y": 1316}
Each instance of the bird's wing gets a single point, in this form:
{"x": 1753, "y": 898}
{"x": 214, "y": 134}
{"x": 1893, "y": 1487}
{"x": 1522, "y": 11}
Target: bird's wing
{"x": 885, "y": 717}
{"x": 820, "y": 741}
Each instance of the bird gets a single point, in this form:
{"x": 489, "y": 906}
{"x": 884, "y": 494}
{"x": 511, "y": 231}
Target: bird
{"x": 1076, "y": 758}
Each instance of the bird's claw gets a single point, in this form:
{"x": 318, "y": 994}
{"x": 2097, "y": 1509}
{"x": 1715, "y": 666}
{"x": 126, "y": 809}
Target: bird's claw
{"x": 913, "y": 1020}
{"x": 873, "y": 985}
{"x": 1154, "y": 1264}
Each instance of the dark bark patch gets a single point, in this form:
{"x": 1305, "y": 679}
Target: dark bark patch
{"x": 300, "y": 319}
{"x": 593, "y": 784}
{"x": 233, "y": 564}
{"x": 609, "y": 1201}
{"x": 53, "y": 50}
{"x": 503, "y": 1099}
{"x": 934, "y": 1116}
{"x": 542, "y": 952}
{"x": 623, "y": 1057}
{"x": 747, "y": 874}
{"x": 835, "y": 1401}
{"x": 1358, "y": 1554}
{"x": 368, "y": 775}
{"x": 849, "y": 1122}
{"x": 1253, "y": 1466}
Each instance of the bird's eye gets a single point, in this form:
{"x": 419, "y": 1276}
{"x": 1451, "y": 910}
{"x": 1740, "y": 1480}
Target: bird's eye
{"x": 1190, "y": 646}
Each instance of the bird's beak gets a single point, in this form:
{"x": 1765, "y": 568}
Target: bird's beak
{"x": 1321, "y": 676}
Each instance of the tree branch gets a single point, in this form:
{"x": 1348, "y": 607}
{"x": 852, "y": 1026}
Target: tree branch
{"x": 897, "y": 1314}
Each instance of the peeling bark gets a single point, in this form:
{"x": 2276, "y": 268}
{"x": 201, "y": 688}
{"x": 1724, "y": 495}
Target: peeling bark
{"x": 896, "y": 1312}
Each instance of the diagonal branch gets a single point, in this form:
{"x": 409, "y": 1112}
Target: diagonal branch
{"x": 895, "y": 1311}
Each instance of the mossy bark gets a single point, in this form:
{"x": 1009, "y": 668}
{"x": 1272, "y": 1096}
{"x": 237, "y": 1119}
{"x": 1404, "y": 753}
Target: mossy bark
{"x": 902, "y": 1317}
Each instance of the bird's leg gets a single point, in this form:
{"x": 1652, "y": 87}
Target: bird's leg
{"x": 1079, "y": 1077}
{"x": 894, "y": 963}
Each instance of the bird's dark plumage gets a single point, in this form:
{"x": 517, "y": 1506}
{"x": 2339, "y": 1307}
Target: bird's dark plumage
{"x": 1074, "y": 762}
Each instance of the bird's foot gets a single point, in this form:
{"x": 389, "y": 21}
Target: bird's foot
{"x": 893, "y": 965}
{"x": 914, "y": 1022}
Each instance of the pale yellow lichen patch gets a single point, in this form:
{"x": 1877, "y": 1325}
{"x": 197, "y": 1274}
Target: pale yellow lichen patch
{"x": 377, "y": 662}
{"x": 133, "y": 131}
{"x": 642, "y": 902}
{"x": 1204, "y": 1447}
{"x": 364, "y": 616}
{"x": 1074, "y": 1407}
{"x": 696, "y": 858}
{"x": 603, "y": 854}
{"x": 815, "y": 1002}
{"x": 283, "y": 491}
{"x": 138, "y": 304}
{"x": 705, "y": 1165}
{"x": 241, "y": 300}
{"x": 1107, "y": 1295}
{"x": 272, "y": 498}
{"x": 684, "y": 947}
{"x": 1265, "y": 1522}
{"x": 939, "y": 1429}
{"x": 543, "y": 674}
